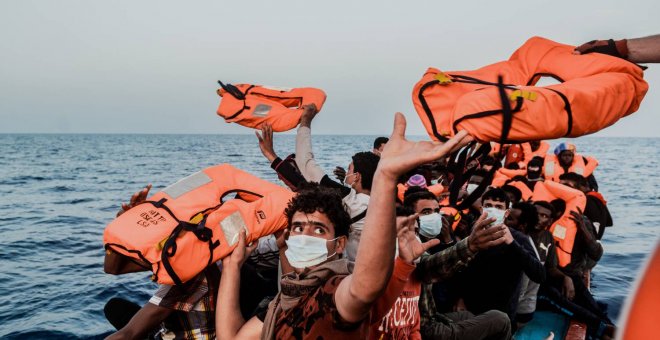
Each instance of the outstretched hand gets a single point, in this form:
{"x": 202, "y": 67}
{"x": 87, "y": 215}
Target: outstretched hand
{"x": 266, "y": 142}
{"x": 484, "y": 236}
{"x": 617, "y": 48}
{"x": 137, "y": 198}
{"x": 401, "y": 155}
{"x": 410, "y": 247}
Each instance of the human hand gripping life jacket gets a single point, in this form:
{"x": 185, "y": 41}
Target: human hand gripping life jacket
{"x": 499, "y": 102}
{"x": 564, "y": 229}
{"x": 185, "y": 227}
{"x": 253, "y": 105}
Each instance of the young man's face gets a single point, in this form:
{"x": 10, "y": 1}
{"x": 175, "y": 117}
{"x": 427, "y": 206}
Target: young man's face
{"x": 512, "y": 220}
{"x": 545, "y": 217}
{"x": 317, "y": 224}
{"x": 566, "y": 158}
{"x": 489, "y": 203}
{"x": 426, "y": 207}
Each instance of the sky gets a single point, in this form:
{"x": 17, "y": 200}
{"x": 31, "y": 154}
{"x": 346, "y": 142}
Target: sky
{"x": 152, "y": 66}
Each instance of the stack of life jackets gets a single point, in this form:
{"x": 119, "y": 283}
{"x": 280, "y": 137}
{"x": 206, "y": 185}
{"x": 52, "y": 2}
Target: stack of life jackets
{"x": 187, "y": 226}
{"x": 253, "y": 105}
{"x": 499, "y": 102}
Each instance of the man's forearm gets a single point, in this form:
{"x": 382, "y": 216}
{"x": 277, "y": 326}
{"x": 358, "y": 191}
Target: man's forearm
{"x": 228, "y": 318}
{"x": 644, "y": 50}
{"x": 375, "y": 256}
{"x": 305, "y": 157}
{"x": 444, "y": 264}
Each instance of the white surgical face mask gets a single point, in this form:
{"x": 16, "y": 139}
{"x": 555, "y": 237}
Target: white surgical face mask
{"x": 497, "y": 213}
{"x": 471, "y": 187}
{"x": 430, "y": 225}
{"x": 306, "y": 251}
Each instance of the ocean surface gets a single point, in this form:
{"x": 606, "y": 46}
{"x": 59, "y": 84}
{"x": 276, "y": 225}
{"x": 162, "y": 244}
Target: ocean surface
{"x": 57, "y": 193}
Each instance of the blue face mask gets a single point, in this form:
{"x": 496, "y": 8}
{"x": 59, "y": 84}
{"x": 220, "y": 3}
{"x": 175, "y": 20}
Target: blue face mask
{"x": 430, "y": 225}
{"x": 306, "y": 251}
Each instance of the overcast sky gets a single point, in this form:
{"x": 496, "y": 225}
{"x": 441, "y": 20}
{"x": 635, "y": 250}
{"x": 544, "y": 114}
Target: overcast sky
{"x": 151, "y": 66}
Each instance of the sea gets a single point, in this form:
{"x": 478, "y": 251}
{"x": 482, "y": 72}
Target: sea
{"x": 59, "y": 191}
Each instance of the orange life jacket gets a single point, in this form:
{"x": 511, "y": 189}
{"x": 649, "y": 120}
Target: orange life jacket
{"x": 187, "y": 226}
{"x": 253, "y": 105}
{"x": 514, "y": 154}
{"x": 435, "y": 189}
{"x": 503, "y": 174}
{"x": 499, "y": 103}
{"x": 564, "y": 229}
{"x": 540, "y": 152}
{"x": 641, "y": 314}
{"x": 552, "y": 170}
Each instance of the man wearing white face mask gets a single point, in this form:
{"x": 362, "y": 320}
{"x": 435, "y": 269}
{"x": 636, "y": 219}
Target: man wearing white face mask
{"x": 437, "y": 269}
{"x": 503, "y": 266}
{"x": 326, "y": 300}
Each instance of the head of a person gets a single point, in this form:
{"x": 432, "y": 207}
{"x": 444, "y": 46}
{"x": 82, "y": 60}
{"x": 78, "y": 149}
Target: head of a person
{"x": 495, "y": 198}
{"x": 514, "y": 194}
{"x": 478, "y": 177}
{"x": 565, "y": 153}
{"x": 488, "y": 163}
{"x": 318, "y": 226}
{"x": 535, "y": 168}
{"x": 416, "y": 180}
{"x": 379, "y": 145}
{"x": 535, "y": 144}
{"x": 522, "y": 216}
{"x": 361, "y": 171}
{"x": 422, "y": 202}
{"x": 574, "y": 181}
{"x": 560, "y": 207}
{"x": 545, "y": 213}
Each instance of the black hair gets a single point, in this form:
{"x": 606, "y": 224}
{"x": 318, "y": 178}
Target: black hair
{"x": 365, "y": 163}
{"x": 536, "y": 161}
{"x": 496, "y": 194}
{"x": 404, "y": 211}
{"x": 488, "y": 160}
{"x": 380, "y": 141}
{"x": 528, "y": 215}
{"x": 312, "y": 198}
{"x": 560, "y": 207}
{"x": 580, "y": 180}
{"x": 546, "y": 205}
{"x": 411, "y": 199}
{"x": 517, "y": 194}
{"x": 413, "y": 190}
{"x": 513, "y": 166}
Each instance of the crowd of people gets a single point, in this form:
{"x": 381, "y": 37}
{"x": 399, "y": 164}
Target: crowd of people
{"x": 409, "y": 241}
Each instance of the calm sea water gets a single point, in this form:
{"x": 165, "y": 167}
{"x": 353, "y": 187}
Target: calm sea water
{"x": 57, "y": 193}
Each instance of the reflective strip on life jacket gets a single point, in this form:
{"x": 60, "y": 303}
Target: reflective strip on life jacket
{"x": 190, "y": 224}
{"x": 253, "y": 105}
{"x": 596, "y": 91}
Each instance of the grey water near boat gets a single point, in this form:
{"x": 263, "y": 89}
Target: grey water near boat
{"x": 57, "y": 193}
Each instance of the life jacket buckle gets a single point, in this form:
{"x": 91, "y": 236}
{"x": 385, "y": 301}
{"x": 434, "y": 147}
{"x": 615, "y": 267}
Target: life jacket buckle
{"x": 443, "y": 78}
{"x": 524, "y": 94}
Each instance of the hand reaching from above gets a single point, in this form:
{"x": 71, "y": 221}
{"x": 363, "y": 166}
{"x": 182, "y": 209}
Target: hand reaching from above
{"x": 137, "y": 198}
{"x": 401, "y": 155}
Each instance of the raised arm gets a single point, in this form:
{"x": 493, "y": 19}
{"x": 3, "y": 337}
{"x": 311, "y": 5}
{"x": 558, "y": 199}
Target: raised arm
{"x": 373, "y": 266}
{"x": 304, "y": 155}
{"x": 229, "y": 323}
{"x": 285, "y": 170}
{"x": 637, "y": 50}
